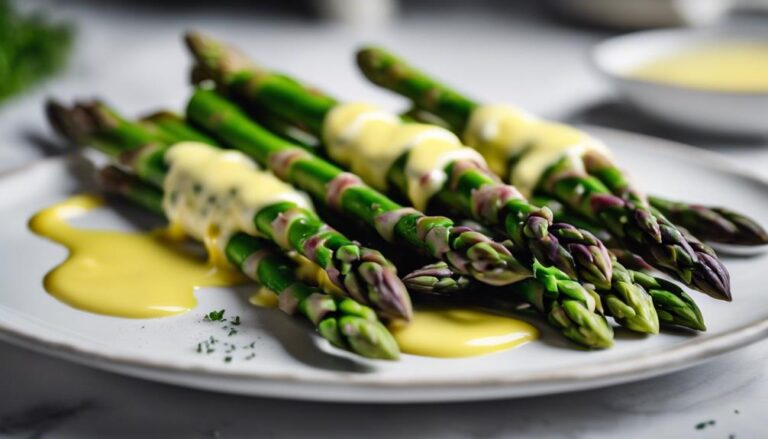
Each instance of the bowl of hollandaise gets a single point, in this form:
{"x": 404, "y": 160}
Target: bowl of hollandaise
{"x": 713, "y": 80}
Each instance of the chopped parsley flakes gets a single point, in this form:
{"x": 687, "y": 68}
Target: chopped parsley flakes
{"x": 208, "y": 346}
{"x": 215, "y": 316}
{"x": 705, "y": 424}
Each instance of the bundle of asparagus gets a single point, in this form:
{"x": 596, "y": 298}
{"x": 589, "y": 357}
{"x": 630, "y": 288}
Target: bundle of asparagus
{"x": 543, "y": 250}
{"x": 626, "y": 298}
{"x": 569, "y": 306}
{"x": 589, "y": 184}
{"x": 344, "y": 322}
{"x": 573, "y": 310}
{"x": 439, "y": 278}
{"x": 361, "y": 273}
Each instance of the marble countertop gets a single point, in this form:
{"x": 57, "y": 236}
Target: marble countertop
{"x": 132, "y": 57}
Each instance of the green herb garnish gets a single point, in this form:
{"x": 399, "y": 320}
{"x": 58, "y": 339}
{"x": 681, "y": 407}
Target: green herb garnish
{"x": 705, "y": 424}
{"x": 31, "y": 49}
{"x": 215, "y": 316}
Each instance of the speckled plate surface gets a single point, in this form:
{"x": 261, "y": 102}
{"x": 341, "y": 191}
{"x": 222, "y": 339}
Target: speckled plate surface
{"x": 277, "y": 356}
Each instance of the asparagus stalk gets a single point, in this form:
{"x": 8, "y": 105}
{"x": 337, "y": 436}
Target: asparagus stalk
{"x": 628, "y": 218}
{"x": 342, "y": 321}
{"x": 472, "y": 190}
{"x": 171, "y": 128}
{"x": 361, "y": 273}
{"x": 714, "y": 224}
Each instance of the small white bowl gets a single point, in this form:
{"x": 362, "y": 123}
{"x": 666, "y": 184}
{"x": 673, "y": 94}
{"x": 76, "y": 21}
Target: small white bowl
{"x": 733, "y": 113}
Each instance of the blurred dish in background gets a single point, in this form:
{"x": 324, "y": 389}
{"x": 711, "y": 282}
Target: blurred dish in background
{"x": 358, "y": 13}
{"x": 634, "y": 14}
{"x": 740, "y": 66}
{"x": 709, "y": 79}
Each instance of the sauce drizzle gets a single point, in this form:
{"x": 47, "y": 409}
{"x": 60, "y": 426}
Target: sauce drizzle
{"x": 455, "y": 333}
{"x": 124, "y": 274}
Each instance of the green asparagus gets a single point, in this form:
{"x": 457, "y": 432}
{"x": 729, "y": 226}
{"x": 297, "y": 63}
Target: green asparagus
{"x": 714, "y": 224}
{"x": 361, "y": 273}
{"x": 471, "y": 189}
{"x": 344, "y": 322}
{"x": 628, "y": 217}
{"x": 594, "y": 332}
{"x": 577, "y": 253}
{"x": 468, "y": 252}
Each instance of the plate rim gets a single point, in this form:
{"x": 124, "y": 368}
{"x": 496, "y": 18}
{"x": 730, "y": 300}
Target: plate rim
{"x": 625, "y": 369}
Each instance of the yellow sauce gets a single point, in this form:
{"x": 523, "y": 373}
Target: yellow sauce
{"x": 453, "y": 333}
{"x": 263, "y": 298}
{"x": 502, "y": 133}
{"x": 498, "y": 132}
{"x": 210, "y": 194}
{"x": 139, "y": 275}
{"x": 311, "y": 273}
{"x": 736, "y": 66}
{"x": 369, "y": 140}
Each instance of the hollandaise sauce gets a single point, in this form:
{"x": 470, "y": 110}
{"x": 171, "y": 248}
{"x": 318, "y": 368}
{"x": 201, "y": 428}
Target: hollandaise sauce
{"x": 125, "y": 274}
{"x": 734, "y": 66}
{"x": 454, "y": 333}
{"x": 520, "y": 147}
{"x": 369, "y": 140}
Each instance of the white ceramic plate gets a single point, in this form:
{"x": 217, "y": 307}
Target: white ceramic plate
{"x": 734, "y": 113}
{"x": 290, "y": 362}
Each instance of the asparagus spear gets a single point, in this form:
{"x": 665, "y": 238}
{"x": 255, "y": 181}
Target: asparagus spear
{"x": 714, "y": 224}
{"x": 342, "y": 321}
{"x": 628, "y": 218}
{"x": 473, "y": 190}
{"x": 361, "y": 273}
{"x": 171, "y": 128}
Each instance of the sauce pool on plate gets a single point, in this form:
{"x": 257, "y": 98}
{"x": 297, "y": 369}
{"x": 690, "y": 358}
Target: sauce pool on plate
{"x": 124, "y": 274}
{"x": 455, "y": 333}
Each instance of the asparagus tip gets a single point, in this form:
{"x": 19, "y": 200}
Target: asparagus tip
{"x": 712, "y": 278}
{"x": 369, "y": 338}
{"x": 78, "y": 122}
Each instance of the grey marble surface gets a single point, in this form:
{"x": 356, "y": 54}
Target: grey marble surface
{"x": 133, "y": 58}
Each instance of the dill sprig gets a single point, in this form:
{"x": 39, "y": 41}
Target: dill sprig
{"x": 31, "y": 48}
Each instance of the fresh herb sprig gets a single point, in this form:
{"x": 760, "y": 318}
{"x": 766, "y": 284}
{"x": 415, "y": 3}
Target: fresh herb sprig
{"x": 31, "y": 48}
